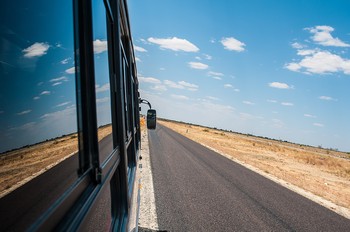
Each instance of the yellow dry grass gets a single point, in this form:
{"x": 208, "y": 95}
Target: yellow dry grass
{"x": 20, "y": 166}
{"x": 142, "y": 123}
{"x": 325, "y": 173}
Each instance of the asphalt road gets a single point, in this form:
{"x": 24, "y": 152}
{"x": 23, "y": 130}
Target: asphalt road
{"x": 197, "y": 189}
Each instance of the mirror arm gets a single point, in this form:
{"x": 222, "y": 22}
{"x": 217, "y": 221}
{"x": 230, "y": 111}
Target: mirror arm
{"x": 144, "y": 101}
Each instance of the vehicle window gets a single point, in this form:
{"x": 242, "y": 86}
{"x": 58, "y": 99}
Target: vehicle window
{"x": 102, "y": 81}
{"x": 38, "y": 121}
{"x": 125, "y": 84}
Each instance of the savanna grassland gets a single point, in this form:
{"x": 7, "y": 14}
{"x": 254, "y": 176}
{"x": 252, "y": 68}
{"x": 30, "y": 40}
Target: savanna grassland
{"x": 19, "y": 166}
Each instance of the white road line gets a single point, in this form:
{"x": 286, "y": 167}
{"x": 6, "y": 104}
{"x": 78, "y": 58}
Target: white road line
{"x": 148, "y": 214}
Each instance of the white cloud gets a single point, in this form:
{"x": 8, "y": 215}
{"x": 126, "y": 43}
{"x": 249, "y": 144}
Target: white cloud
{"x": 197, "y": 65}
{"x": 322, "y": 35}
{"x": 59, "y": 115}
{"x": 160, "y": 88}
{"x": 318, "y": 124}
{"x": 45, "y": 93}
{"x": 102, "y": 100}
{"x": 309, "y": 116}
{"x": 307, "y": 52}
{"x": 103, "y": 88}
{"x": 280, "y": 85}
{"x": 208, "y": 57}
{"x": 277, "y": 123}
{"x": 70, "y": 70}
{"x": 138, "y": 59}
{"x": 27, "y": 126}
{"x": 63, "y": 104}
{"x": 228, "y": 86}
{"x": 295, "y": 67}
{"x": 319, "y": 62}
{"x": 65, "y": 61}
{"x": 213, "y": 98}
{"x": 24, "y": 112}
{"x": 249, "y": 103}
{"x": 149, "y": 80}
{"x": 56, "y": 83}
{"x": 59, "y": 79}
{"x": 237, "y": 90}
{"x": 233, "y": 44}
{"x": 272, "y": 101}
{"x": 287, "y": 104}
{"x": 36, "y": 50}
{"x": 192, "y": 89}
{"x": 179, "y": 97}
{"x": 100, "y": 46}
{"x": 139, "y": 49}
{"x": 181, "y": 85}
{"x": 215, "y": 74}
{"x": 173, "y": 84}
{"x": 327, "y": 98}
{"x": 297, "y": 45}
{"x": 188, "y": 85}
{"x": 175, "y": 44}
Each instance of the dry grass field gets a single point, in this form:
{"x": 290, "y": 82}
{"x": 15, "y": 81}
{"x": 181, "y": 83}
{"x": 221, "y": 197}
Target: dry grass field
{"x": 20, "y": 166}
{"x": 325, "y": 173}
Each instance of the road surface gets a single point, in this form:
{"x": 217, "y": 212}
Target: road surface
{"x": 197, "y": 189}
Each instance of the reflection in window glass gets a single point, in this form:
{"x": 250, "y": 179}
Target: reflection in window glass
{"x": 37, "y": 89}
{"x": 103, "y": 100}
{"x": 131, "y": 103}
{"x": 100, "y": 218}
{"x": 125, "y": 85}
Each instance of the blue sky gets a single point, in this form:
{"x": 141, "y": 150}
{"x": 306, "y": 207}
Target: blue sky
{"x": 37, "y": 72}
{"x": 37, "y": 81}
{"x": 279, "y": 69}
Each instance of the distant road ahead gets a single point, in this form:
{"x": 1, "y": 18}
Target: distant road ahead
{"x": 197, "y": 189}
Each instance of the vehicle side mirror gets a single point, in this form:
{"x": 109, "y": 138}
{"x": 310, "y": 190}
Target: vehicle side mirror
{"x": 151, "y": 119}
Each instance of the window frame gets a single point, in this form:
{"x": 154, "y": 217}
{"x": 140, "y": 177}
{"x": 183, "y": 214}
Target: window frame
{"x": 74, "y": 206}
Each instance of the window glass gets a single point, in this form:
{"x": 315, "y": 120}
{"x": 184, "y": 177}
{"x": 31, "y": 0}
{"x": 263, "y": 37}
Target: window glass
{"x": 38, "y": 121}
{"x": 131, "y": 102}
{"x": 100, "y": 217}
{"x": 126, "y": 100}
{"x": 102, "y": 81}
